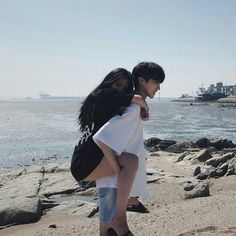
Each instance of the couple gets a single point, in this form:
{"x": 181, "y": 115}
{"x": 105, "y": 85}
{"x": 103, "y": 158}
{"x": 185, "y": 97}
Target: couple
{"x": 111, "y": 149}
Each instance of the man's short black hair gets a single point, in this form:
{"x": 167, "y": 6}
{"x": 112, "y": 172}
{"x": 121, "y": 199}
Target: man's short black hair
{"x": 148, "y": 70}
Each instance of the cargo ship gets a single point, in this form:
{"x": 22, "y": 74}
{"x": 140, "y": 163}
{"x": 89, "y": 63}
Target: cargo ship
{"x": 212, "y": 93}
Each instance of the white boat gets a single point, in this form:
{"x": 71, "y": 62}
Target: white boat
{"x": 185, "y": 98}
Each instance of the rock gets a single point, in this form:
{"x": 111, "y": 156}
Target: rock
{"x": 155, "y": 154}
{"x": 182, "y": 156}
{"x": 203, "y": 175}
{"x": 203, "y": 155}
{"x": 227, "y": 150}
{"x": 57, "y": 182}
{"x": 212, "y": 149}
{"x": 220, "y": 144}
{"x": 8, "y": 176}
{"x": 19, "y": 201}
{"x": 152, "y": 142}
{"x": 153, "y": 149}
{"x": 155, "y": 144}
{"x": 197, "y": 171}
{"x": 153, "y": 179}
{"x": 200, "y": 190}
{"x": 47, "y": 203}
{"x": 220, "y": 171}
{"x": 231, "y": 167}
{"x": 23, "y": 195}
{"x": 180, "y": 147}
{"x": 151, "y": 171}
{"x": 188, "y": 186}
{"x": 216, "y": 161}
{"x": 202, "y": 143}
{"x": 93, "y": 212}
{"x": 164, "y": 144}
{"x": 52, "y": 226}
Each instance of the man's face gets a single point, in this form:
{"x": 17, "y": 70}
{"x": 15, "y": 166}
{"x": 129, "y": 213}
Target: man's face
{"x": 151, "y": 87}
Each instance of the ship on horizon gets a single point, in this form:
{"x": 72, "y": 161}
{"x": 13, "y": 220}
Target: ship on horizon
{"x": 212, "y": 93}
{"x": 43, "y": 95}
{"x": 215, "y": 92}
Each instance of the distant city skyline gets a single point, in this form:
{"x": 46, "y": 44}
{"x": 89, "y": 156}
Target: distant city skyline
{"x": 65, "y": 48}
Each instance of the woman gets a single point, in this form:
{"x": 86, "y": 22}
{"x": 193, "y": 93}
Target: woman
{"x": 89, "y": 162}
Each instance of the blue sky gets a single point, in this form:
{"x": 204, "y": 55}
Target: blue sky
{"x": 67, "y": 47}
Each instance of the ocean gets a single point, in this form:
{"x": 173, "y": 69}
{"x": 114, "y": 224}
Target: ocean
{"x": 42, "y": 131}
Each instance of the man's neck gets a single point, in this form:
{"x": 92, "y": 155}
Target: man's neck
{"x": 141, "y": 93}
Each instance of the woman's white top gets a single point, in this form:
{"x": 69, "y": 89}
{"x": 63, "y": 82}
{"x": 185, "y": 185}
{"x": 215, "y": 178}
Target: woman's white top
{"x": 125, "y": 134}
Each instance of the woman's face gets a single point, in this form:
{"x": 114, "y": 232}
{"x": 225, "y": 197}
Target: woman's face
{"x": 121, "y": 85}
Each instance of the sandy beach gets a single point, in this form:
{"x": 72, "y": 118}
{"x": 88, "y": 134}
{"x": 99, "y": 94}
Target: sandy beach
{"x": 170, "y": 212}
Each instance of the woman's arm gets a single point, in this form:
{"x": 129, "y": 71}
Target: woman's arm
{"x": 144, "y": 114}
{"x": 139, "y": 100}
{"x": 109, "y": 155}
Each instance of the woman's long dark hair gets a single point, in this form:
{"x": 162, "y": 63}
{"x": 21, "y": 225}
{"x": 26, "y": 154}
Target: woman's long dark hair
{"x": 85, "y": 118}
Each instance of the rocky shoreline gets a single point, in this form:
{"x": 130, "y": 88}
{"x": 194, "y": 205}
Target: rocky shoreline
{"x": 182, "y": 177}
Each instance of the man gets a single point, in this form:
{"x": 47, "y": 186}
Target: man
{"x": 125, "y": 134}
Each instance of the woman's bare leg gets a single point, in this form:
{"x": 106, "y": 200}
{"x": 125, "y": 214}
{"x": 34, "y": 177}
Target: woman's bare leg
{"x": 103, "y": 169}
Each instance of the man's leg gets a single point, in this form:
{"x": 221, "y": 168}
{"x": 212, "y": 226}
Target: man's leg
{"x": 107, "y": 208}
{"x": 124, "y": 184}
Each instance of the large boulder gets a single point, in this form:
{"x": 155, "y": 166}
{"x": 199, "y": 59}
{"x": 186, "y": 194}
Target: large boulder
{"x": 19, "y": 201}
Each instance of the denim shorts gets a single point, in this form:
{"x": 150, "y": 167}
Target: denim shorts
{"x": 107, "y": 204}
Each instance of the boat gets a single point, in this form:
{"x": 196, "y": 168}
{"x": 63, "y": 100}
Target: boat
{"x": 185, "y": 98}
{"x": 213, "y": 93}
{"x": 48, "y": 96}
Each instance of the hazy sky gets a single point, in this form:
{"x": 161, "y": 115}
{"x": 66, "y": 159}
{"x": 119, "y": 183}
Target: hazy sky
{"x": 66, "y": 47}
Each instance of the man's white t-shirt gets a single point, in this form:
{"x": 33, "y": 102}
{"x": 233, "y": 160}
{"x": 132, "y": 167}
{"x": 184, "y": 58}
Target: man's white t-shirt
{"x": 125, "y": 134}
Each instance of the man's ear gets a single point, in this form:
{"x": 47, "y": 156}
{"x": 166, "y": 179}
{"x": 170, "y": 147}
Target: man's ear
{"x": 141, "y": 80}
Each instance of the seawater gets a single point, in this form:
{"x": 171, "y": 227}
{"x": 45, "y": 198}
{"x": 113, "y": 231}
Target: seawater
{"x": 41, "y": 131}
